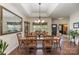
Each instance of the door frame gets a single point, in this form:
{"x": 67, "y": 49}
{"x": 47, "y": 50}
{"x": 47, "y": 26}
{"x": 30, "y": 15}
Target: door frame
{"x": 56, "y": 27}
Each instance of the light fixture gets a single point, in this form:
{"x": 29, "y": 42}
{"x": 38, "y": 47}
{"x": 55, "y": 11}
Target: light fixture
{"x": 42, "y": 21}
{"x": 60, "y": 18}
{"x": 39, "y": 21}
{"x": 36, "y": 21}
{"x": 39, "y": 18}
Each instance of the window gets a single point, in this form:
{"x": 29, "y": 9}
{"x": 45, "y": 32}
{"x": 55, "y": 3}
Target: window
{"x": 40, "y": 27}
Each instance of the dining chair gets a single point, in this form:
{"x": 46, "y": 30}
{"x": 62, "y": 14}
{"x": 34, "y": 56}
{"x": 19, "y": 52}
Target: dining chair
{"x": 22, "y": 42}
{"x": 32, "y": 44}
{"x": 47, "y": 46}
{"x": 19, "y": 38}
{"x": 56, "y": 42}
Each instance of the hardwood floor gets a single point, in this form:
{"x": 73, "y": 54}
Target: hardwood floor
{"x": 66, "y": 49}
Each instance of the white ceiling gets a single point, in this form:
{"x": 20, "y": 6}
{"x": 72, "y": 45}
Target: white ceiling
{"x": 47, "y": 9}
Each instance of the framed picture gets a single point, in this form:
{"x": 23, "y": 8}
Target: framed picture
{"x": 76, "y": 25}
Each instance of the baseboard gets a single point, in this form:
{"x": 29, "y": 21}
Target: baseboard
{"x": 12, "y": 50}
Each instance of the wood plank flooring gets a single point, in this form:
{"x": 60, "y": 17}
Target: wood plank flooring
{"x": 66, "y": 49}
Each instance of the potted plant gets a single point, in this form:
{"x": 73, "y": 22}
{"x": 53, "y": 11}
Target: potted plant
{"x": 74, "y": 34}
{"x": 3, "y": 46}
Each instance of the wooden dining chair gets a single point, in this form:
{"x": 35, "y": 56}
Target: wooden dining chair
{"x": 47, "y": 46}
{"x": 22, "y": 42}
{"x": 32, "y": 44}
{"x": 19, "y": 38}
{"x": 56, "y": 42}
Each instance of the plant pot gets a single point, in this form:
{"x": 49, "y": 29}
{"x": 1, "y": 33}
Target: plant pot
{"x": 72, "y": 41}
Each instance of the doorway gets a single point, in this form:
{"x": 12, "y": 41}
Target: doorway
{"x": 63, "y": 28}
{"x": 54, "y": 29}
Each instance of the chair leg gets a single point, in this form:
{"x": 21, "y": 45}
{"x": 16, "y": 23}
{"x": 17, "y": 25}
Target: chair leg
{"x": 59, "y": 46}
{"x": 27, "y": 50}
{"x": 44, "y": 50}
{"x": 48, "y": 50}
{"x": 35, "y": 51}
{"x": 20, "y": 49}
{"x": 32, "y": 50}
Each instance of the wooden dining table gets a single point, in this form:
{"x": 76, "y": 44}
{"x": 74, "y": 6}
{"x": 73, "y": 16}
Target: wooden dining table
{"x": 54, "y": 39}
{"x": 38, "y": 39}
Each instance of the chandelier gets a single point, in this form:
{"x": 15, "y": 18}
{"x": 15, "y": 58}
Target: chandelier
{"x": 39, "y": 18}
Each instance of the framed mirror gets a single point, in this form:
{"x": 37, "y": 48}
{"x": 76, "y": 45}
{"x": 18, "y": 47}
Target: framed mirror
{"x": 11, "y": 23}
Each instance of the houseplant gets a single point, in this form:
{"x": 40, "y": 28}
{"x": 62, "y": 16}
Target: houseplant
{"x": 3, "y": 46}
{"x": 74, "y": 34}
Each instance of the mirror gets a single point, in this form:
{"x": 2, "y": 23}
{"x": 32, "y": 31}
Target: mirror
{"x": 11, "y": 22}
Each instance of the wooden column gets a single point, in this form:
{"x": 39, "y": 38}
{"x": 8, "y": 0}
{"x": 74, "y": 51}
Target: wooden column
{"x": 0, "y": 20}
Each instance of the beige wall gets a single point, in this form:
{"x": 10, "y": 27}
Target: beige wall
{"x": 73, "y": 19}
{"x": 11, "y": 39}
{"x": 48, "y": 20}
